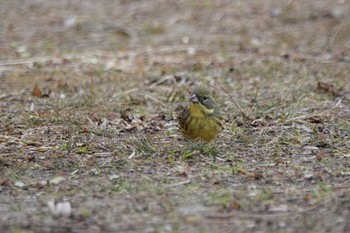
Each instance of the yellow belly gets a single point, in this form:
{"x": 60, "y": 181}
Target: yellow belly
{"x": 201, "y": 128}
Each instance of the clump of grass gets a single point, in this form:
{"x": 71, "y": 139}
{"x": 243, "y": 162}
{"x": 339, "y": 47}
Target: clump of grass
{"x": 154, "y": 28}
{"x": 143, "y": 146}
{"x": 223, "y": 198}
{"x": 199, "y": 148}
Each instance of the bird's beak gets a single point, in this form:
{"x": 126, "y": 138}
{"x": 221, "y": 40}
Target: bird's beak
{"x": 194, "y": 99}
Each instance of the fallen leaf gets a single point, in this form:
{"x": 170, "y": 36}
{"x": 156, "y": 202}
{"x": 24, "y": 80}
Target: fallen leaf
{"x": 305, "y": 128}
{"x": 5, "y": 183}
{"x": 36, "y": 92}
{"x": 307, "y": 197}
{"x": 113, "y": 177}
{"x": 127, "y": 115}
{"x": 279, "y": 208}
{"x": 57, "y": 180}
{"x": 325, "y": 88}
{"x": 320, "y": 155}
{"x": 40, "y": 93}
{"x": 19, "y": 184}
{"x": 61, "y": 86}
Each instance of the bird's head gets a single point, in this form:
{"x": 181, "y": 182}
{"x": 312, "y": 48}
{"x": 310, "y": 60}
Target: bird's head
{"x": 202, "y": 103}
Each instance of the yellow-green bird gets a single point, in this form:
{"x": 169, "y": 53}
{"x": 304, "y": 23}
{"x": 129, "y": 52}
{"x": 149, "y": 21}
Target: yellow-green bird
{"x": 201, "y": 119}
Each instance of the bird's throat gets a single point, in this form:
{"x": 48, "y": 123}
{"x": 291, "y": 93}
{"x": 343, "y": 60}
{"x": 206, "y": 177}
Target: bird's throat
{"x": 198, "y": 110}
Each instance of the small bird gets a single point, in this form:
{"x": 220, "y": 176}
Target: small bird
{"x": 201, "y": 119}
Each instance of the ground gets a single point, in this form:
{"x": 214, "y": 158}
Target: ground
{"x": 89, "y": 140}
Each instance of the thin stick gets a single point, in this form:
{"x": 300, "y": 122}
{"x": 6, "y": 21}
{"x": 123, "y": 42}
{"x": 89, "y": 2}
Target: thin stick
{"x": 235, "y": 102}
{"x": 179, "y": 183}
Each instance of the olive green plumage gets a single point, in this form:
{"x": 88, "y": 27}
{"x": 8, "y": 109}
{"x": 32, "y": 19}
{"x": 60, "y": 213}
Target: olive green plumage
{"x": 201, "y": 119}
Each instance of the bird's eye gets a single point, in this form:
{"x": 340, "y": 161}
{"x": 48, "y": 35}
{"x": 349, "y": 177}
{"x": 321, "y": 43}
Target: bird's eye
{"x": 205, "y": 98}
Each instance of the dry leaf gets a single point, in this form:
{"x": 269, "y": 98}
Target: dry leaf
{"x": 40, "y": 93}
{"x": 325, "y": 88}
{"x": 19, "y": 184}
{"x": 279, "y": 208}
{"x": 127, "y": 115}
{"x": 36, "y": 92}
{"x": 320, "y": 155}
{"x": 61, "y": 86}
{"x": 307, "y": 197}
{"x": 235, "y": 204}
{"x": 57, "y": 180}
{"x": 5, "y": 183}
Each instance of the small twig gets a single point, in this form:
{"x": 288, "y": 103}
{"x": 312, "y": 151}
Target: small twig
{"x": 235, "y": 102}
{"x": 132, "y": 155}
{"x": 9, "y": 137}
{"x": 309, "y": 116}
{"x": 27, "y": 61}
{"x": 126, "y": 92}
{"x": 211, "y": 164}
{"x": 155, "y": 100}
{"x": 103, "y": 154}
{"x": 163, "y": 79}
{"x": 179, "y": 183}
{"x": 221, "y": 216}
